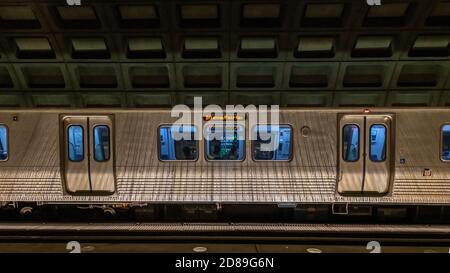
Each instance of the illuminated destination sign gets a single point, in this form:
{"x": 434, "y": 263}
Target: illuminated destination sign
{"x": 223, "y": 117}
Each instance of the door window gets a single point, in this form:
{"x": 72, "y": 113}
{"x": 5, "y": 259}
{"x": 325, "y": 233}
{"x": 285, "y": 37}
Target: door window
{"x": 3, "y": 143}
{"x": 76, "y": 143}
{"x": 101, "y": 143}
{"x": 350, "y": 145}
{"x": 378, "y": 143}
{"x": 445, "y": 155}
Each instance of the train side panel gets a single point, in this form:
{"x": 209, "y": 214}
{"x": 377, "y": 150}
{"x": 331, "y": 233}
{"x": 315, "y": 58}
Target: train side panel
{"x": 34, "y": 170}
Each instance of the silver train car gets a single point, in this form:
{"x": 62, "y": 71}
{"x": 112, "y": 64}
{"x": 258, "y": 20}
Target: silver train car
{"x": 330, "y": 162}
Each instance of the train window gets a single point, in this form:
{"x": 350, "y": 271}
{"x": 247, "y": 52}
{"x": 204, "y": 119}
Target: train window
{"x": 101, "y": 143}
{"x": 350, "y": 147}
{"x": 178, "y": 147}
{"x": 3, "y": 143}
{"x": 446, "y": 143}
{"x": 225, "y": 143}
{"x": 276, "y": 146}
{"x": 378, "y": 143}
{"x": 76, "y": 143}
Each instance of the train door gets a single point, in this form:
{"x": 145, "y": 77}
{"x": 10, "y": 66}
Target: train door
{"x": 365, "y": 154}
{"x": 88, "y": 155}
{"x": 101, "y": 159}
{"x": 76, "y": 163}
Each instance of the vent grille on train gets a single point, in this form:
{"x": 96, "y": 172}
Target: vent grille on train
{"x": 310, "y": 53}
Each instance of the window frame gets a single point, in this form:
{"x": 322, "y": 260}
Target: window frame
{"x": 441, "y": 145}
{"x": 197, "y": 144}
{"x": 109, "y": 140}
{"x": 291, "y": 148}
{"x": 68, "y": 143}
{"x": 359, "y": 143}
{"x": 8, "y": 147}
{"x": 385, "y": 143}
{"x": 244, "y": 141}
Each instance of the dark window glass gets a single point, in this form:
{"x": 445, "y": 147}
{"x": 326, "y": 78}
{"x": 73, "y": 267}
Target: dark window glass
{"x": 273, "y": 142}
{"x": 76, "y": 143}
{"x": 446, "y": 142}
{"x": 350, "y": 147}
{"x": 101, "y": 143}
{"x": 377, "y": 143}
{"x": 3, "y": 143}
{"x": 178, "y": 143}
{"x": 225, "y": 143}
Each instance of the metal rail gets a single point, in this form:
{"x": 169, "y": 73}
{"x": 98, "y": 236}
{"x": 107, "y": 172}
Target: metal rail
{"x": 227, "y": 228}
{"x": 222, "y": 237}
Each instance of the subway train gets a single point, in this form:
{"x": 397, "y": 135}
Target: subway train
{"x": 380, "y": 162}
